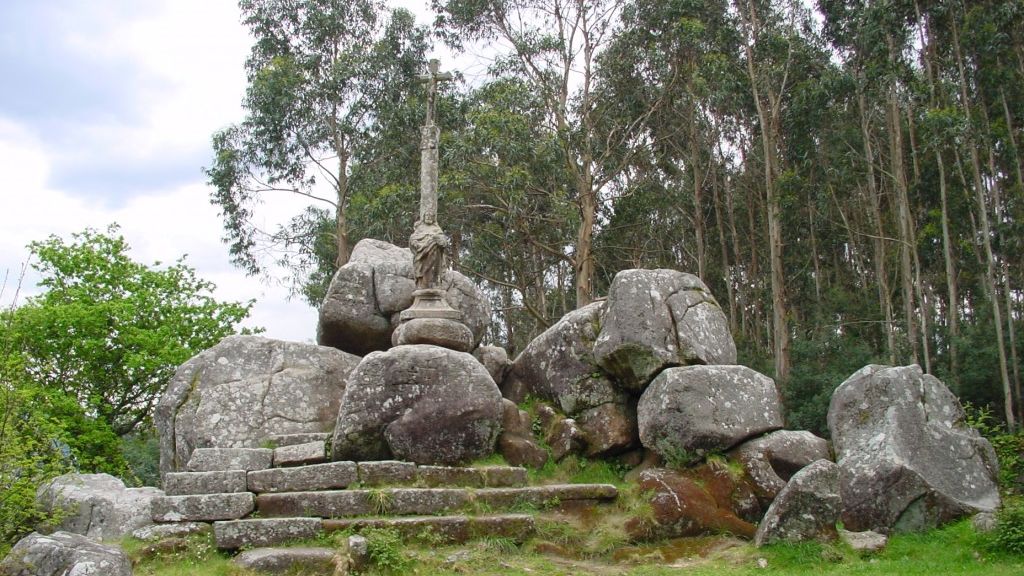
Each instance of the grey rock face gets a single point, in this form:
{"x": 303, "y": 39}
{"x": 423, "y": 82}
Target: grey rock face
{"x": 214, "y": 459}
{"x": 868, "y": 541}
{"x": 245, "y": 389}
{"x": 660, "y": 318}
{"x": 688, "y": 411}
{"x": 64, "y": 554}
{"x": 495, "y": 359}
{"x": 806, "y": 509}
{"x": 313, "y": 452}
{"x": 419, "y": 403}
{"x": 771, "y": 460}
{"x": 175, "y": 530}
{"x": 234, "y": 534}
{"x": 907, "y": 459}
{"x": 436, "y": 332}
{"x": 98, "y": 506}
{"x": 559, "y": 364}
{"x": 290, "y": 560}
{"x": 217, "y": 482}
{"x": 366, "y": 295}
{"x": 609, "y": 429}
{"x": 203, "y": 507}
{"x": 329, "y": 476}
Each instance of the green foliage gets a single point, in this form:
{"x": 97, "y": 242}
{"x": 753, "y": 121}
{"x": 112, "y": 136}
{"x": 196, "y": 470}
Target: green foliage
{"x": 820, "y": 364}
{"x": 1009, "y": 447}
{"x": 386, "y": 550}
{"x": 1008, "y": 535}
{"x": 329, "y": 87}
{"x": 108, "y": 331}
{"x": 141, "y": 451}
{"x": 31, "y": 452}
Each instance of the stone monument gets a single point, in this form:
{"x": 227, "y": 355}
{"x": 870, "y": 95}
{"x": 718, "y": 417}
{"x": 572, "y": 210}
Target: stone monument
{"x": 430, "y": 320}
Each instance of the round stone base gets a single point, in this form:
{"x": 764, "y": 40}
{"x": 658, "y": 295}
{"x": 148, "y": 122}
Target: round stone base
{"x": 441, "y": 332}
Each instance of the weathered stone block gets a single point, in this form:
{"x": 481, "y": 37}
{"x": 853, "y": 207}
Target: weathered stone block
{"x": 212, "y": 459}
{"x": 329, "y": 476}
{"x": 386, "y": 472}
{"x": 215, "y": 482}
{"x": 236, "y": 534}
{"x": 445, "y": 476}
{"x": 313, "y": 452}
{"x": 203, "y": 507}
{"x": 293, "y": 560}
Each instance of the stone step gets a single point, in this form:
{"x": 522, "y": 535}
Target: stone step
{"x": 280, "y": 440}
{"x": 202, "y": 507}
{"x": 419, "y": 501}
{"x": 216, "y": 482}
{"x": 314, "y": 452}
{"x": 340, "y": 475}
{"x": 212, "y": 459}
{"x": 255, "y": 532}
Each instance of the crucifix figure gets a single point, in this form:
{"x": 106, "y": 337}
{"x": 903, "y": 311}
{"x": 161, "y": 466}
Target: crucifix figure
{"x": 428, "y": 241}
{"x": 430, "y": 319}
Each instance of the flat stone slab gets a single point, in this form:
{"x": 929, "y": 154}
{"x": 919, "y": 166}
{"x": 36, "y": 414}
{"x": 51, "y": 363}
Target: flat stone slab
{"x": 290, "y": 560}
{"x": 255, "y": 532}
{"x": 545, "y": 496}
{"x": 313, "y": 452}
{"x": 342, "y": 503}
{"x": 384, "y": 472}
{"x": 155, "y": 532}
{"x": 210, "y": 459}
{"x": 329, "y": 476}
{"x": 203, "y": 507}
{"x": 451, "y": 529}
{"x": 216, "y": 482}
{"x": 280, "y": 440}
{"x": 445, "y": 476}
{"x": 504, "y": 476}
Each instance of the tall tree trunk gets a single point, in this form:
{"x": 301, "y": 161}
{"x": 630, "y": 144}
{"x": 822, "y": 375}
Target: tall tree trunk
{"x": 340, "y": 219}
{"x": 768, "y": 119}
{"x": 878, "y": 241}
{"x": 986, "y": 235}
{"x": 953, "y": 308}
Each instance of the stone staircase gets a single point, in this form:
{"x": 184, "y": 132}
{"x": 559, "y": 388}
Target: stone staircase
{"x": 252, "y": 500}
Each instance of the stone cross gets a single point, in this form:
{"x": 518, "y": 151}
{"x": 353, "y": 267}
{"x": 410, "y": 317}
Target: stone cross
{"x": 430, "y": 135}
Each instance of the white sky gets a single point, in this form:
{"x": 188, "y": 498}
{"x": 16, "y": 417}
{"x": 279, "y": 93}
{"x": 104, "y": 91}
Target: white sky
{"x": 108, "y": 118}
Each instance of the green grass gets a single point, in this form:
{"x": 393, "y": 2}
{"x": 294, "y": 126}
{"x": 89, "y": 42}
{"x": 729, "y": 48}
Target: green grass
{"x": 573, "y": 549}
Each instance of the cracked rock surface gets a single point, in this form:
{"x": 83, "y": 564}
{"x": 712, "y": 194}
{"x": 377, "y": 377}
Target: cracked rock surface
{"x": 656, "y": 319}
{"x": 366, "y": 296}
{"x": 690, "y": 411}
{"x": 97, "y": 506}
{"x": 907, "y": 459}
{"x": 64, "y": 554}
{"x": 418, "y": 403}
{"x": 245, "y": 389}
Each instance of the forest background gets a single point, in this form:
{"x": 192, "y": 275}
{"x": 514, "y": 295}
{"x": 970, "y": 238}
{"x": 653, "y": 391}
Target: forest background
{"x": 845, "y": 177}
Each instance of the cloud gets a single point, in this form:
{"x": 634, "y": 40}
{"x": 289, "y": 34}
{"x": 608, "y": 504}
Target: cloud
{"x": 160, "y": 226}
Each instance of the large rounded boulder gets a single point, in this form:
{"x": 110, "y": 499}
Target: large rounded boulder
{"x": 97, "y": 506}
{"x": 907, "y": 459}
{"x": 64, "y": 554}
{"x": 245, "y": 389}
{"x": 656, "y": 319}
{"x": 559, "y": 366}
{"x": 690, "y": 411}
{"x": 419, "y": 403}
{"x": 366, "y": 296}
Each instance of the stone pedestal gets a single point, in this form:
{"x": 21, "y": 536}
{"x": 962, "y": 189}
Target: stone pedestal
{"x": 431, "y": 321}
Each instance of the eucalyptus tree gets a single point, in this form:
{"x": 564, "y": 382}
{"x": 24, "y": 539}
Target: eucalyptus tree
{"x": 553, "y": 46}
{"x": 324, "y": 77}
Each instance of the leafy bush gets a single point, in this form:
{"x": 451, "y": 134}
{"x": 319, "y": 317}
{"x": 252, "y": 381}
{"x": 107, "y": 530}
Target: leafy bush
{"x": 385, "y": 548}
{"x": 1009, "y": 533}
{"x": 1009, "y": 447}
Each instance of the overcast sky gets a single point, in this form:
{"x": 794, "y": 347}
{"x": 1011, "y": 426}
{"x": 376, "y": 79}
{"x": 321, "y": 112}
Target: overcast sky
{"x": 106, "y": 112}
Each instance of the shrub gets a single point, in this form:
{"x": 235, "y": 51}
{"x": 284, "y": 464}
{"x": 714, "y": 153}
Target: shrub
{"x": 1009, "y": 533}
